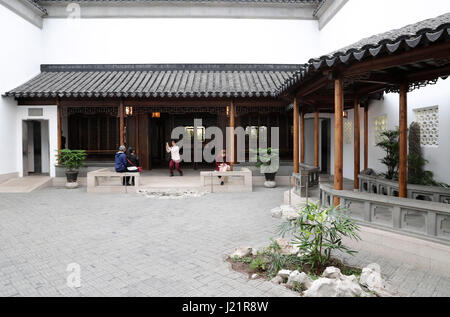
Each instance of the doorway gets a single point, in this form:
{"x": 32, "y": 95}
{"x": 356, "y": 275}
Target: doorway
{"x": 35, "y": 147}
{"x": 325, "y": 146}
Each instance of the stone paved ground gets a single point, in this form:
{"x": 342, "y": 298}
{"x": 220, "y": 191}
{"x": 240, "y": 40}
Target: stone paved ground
{"x": 129, "y": 245}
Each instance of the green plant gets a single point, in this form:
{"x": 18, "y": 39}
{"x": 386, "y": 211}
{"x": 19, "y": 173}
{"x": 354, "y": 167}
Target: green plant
{"x": 319, "y": 231}
{"x": 72, "y": 160}
{"x": 416, "y": 162}
{"x": 390, "y": 145}
{"x": 246, "y": 260}
{"x": 258, "y": 264}
{"x": 268, "y": 160}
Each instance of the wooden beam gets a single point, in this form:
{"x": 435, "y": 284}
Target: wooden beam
{"x": 316, "y": 138}
{"x": 428, "y": 74}
{"x": 313, "y": 86}
{"x": 357, "y": 146}
{"x": 433, "y": 52}
{"x": 338, "y": 137}
{"x": 121, "y": 124}
{"x": 302, "y": 137}
{"x": 296, "y": 137}
{"x": 403, "y": 137}
{"x": 231, "y": 136}
{"x": 366, "y": 137}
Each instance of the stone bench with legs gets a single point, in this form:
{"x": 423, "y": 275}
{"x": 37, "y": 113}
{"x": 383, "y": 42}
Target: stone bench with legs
{"x": 233, "y": 181}
{"x": 107, "y": 180}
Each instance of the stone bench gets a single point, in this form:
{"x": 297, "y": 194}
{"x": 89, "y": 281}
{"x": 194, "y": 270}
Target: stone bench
{"x": 100, "y": 181}
{"x": 236, "y": 181}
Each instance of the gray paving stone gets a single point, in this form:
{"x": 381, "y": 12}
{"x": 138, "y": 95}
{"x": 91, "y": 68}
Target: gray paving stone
{"x": 129, "y": 245}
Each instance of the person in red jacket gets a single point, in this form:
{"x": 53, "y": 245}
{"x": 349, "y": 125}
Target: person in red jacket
{"x": 222, "y": 165}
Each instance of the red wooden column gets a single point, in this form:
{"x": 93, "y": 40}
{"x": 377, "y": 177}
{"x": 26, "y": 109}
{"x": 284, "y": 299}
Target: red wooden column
{"x": 403, "y": 143}
{"x": 316, "y": 138}
{"x": 302, "y": 137}
{"x": 231, "y": 136}
{"x": 338, "y": 137}
{"x": 121, "y": 123}
{"x": 366, "y": 137}
{"x": 357, "y": 145}
{"x": 296, "y": 137}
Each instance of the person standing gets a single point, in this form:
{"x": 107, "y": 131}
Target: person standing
{"x": 175, "y": 158}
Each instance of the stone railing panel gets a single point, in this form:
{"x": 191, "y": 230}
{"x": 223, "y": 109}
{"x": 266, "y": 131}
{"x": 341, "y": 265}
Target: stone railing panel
{"x": 384, "y": 187}
{"x": 422, "y": 218}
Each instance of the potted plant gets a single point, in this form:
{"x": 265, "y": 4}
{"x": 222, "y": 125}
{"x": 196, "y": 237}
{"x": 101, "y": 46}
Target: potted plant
{"x": 268, "y": 161}
{"x": 72, "y": 160}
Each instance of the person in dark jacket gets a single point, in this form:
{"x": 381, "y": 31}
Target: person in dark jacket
{"x": 121, "y": 162}
{"x": 132, "y": 164}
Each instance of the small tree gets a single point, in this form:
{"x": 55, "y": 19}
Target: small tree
{"x": 390, "y": 145}
{"x": 319, "y": 231}
{"x": 72, "y": 160}
{"x": 416, "y": 162}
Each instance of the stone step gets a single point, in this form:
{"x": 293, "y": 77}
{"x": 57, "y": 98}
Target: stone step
{"x": 25, "y": 184}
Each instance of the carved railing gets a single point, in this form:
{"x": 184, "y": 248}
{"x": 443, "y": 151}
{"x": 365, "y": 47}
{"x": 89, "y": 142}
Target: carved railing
{"x": 382, "y": 186}
{"x": 307, "y": 178}
{"x": 426, "y": 219}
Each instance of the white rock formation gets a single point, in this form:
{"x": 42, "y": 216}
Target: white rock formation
{"x": 286, "y": 247}
{"x": 277, "y": 280}
{"x": 299, "y": 279}
{"x": 371, "y": 278}
{"x": 334, "y": 284}
{"x": 285, "y": 211}
{"x": 284, "y": 274}
{"x": 241, "y": 252}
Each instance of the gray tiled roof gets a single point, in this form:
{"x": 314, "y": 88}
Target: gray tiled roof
{"x": 395, "y": 41}
{"x": 157, "y": 80}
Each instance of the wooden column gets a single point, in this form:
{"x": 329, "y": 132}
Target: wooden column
{"x": 403, "y": 143}
{"x": 357, "y": 145}
{"x": 121, "y": 124}
{"x": 316, "y": 138}
{"x": 59, "y": 123}
{"x": 231, "y": 136}
{"x": 366, "y": 137}
{"x": 338, "y": 136}
{"x": 296, "y": 137}
{"x": 136, "y": 133}
{"x": 302, "y": 137}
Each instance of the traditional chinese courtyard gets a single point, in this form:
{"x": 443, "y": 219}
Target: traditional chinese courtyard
{"x": 131, "y": 245}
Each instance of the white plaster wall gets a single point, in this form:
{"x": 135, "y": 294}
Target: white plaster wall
{"x": 359, "y": 19}
{"x": 20, "y": 56}
{"x": 179, "y": 41}
{"x": 363, "y": 18}
{"x": 50, "y": 115}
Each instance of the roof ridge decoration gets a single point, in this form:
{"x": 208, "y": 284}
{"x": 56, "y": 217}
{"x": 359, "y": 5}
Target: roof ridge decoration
{"x": 168, "y": 67}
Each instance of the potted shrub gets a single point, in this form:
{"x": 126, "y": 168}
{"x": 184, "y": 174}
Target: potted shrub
{"x": 72, "y": 160}
{"x": 268, "y": 161}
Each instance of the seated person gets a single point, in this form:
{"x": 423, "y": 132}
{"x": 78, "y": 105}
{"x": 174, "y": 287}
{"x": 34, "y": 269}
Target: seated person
{"x": 132, "y": 164}
{"x": 222, "y": 165}
{"x": 121, "y": 162}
